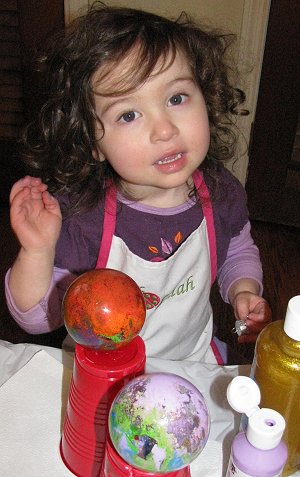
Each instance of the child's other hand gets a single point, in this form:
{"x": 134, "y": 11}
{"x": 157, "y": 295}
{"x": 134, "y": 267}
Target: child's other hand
{"x": 35, "y": 215}
{"x": 254, "y": 311}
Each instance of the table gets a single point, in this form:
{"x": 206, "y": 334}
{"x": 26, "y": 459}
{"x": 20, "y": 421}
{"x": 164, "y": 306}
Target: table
{"x": 34, "y": 389}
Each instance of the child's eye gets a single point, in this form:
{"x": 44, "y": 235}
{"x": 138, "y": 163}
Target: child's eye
{"x": 177, "y": 99}
{"x": 129, "y": 116}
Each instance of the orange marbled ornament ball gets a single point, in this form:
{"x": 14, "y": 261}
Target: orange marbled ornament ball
{"x": 104, "y": 309}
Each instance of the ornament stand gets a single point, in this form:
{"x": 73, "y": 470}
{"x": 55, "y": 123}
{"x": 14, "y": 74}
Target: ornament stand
{"x": 97, "y": 378}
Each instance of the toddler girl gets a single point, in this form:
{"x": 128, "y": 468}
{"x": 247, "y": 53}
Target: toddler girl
{"x": 127, "y": 157}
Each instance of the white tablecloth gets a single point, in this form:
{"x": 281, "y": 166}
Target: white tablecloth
{"x": 34, "y": 388}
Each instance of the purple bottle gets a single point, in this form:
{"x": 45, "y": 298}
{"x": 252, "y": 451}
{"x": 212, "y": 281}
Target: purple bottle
{"x": 258, "y": 452}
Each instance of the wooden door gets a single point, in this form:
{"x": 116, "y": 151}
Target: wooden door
{"x": 273, "y": 183}
{"x": 24, "y": 26}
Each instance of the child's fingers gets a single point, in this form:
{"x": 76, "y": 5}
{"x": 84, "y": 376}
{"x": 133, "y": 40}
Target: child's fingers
{"x": 257, "y": 319}
{"x": 18, "y": 198}
{"x": 34, "y": 183}
{"x": 258, "y": 316}
{"x": 37, "y": 187}
{"x": 242, "y": 309}
{"x": 17, "y": 187}
{"x": 261, "y": 312}
{"x": 50, "y": 202}
{"x": 253, "y": 330}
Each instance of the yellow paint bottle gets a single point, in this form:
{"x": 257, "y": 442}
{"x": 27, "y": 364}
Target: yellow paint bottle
{"x": 276, "y": 369}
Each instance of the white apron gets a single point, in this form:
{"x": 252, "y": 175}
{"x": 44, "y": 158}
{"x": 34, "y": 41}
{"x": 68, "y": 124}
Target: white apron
{"x": 179, "y": 321}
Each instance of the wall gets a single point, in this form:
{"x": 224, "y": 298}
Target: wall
{"x": 221, "y": 12}
{"x": 245, "y": 18}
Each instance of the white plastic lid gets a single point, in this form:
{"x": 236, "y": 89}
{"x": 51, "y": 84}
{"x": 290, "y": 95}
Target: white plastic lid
{"x": 292, "y": 319}
{"x": 243, "y": 395}
{"x": 265, "y": 426}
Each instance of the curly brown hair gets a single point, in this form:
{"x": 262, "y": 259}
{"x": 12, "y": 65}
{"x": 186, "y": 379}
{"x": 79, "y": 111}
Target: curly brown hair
{"x": 60, "y": 144}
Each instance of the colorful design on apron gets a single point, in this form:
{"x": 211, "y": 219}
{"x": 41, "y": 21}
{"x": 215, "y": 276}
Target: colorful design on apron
{"x": 151, "y": 299}
{"x": 166, "y": 247}
{"x": 176, "y": 290}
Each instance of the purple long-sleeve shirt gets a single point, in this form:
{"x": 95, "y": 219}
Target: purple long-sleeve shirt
{"x": 152, "y": 234}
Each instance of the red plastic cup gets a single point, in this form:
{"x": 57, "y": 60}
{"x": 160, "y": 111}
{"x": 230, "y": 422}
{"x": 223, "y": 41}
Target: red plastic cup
{"x": 97, "y": 378}
{"x": 114, "y": 466}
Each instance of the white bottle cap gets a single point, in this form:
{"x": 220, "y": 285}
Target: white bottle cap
{"x": 265, "y": 426}
{"x": 292, "y": 319}
{"x": 265, "y": 429}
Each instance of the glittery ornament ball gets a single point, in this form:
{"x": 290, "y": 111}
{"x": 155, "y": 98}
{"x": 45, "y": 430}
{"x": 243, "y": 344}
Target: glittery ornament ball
{"x": 104, "y": 309}
{"x": 159, "y": 422}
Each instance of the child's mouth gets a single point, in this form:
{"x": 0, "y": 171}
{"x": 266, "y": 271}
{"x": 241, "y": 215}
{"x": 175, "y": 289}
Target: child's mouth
{"x": 170, "y": 159}
{"x": 171, "y": 163}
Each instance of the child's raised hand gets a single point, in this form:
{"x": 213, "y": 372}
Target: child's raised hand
{"x": 254, "y": 312}
{"x": 35, "y": 215}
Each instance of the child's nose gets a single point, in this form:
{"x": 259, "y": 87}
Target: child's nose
{"x": 163, "y": 129}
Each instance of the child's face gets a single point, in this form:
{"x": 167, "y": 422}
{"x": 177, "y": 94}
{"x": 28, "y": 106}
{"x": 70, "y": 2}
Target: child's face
{"x": 156, "y": 136}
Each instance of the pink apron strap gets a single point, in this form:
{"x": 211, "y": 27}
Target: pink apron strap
{"x": 208, "y": 214}
{"x": 217, "y": 353}
{"x": 109, "y": 225}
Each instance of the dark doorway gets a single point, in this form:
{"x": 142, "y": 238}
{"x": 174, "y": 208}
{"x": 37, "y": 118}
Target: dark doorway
{"x": 24, "y": 28}
{"x": 273, "y": 183}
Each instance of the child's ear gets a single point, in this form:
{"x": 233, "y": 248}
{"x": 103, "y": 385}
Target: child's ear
{"x": 98, "y": 155}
